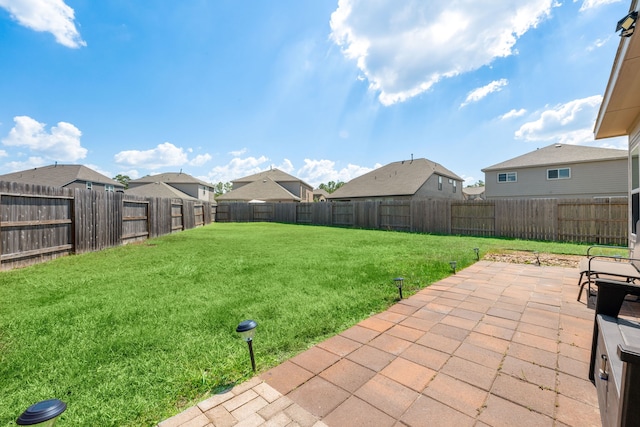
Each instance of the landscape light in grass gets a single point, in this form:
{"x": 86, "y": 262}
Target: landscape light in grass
{"x": 477, "y": 251}
{"x": 247, "y": 329}
{"x": 44, "y": 413}
{"x": 399, "y": 281}
{"x": 453, "y": 266}
{"x": 537, "y": 255}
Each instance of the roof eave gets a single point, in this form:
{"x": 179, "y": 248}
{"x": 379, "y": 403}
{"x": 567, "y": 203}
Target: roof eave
{"x": 620, "y": 107}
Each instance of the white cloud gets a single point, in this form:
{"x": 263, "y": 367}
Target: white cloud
{"x": 3, "y": 153}
{"x": 403, "y": 48}
{"x": 569, "y": 123}
{"x": 62, "y": 144}
{"x": 164, "y": 155}
{"x": 131, "y": 173}
{"x": 237, "y": 168}
{"x": 238, "y": 153}
{"x": 590, "y": 4}
{"x": 30, "y": 163}
{"x": 316, "y": 172}
{"x": 53, "y": 16}
{"x": 200, "y": 159}
{"x": 513, "y": 113}
{"x": 99, "y": 170}
{"x": 286, "y": 166}
{"x": 598, "y": 43}
{"x": 479, "y": 93}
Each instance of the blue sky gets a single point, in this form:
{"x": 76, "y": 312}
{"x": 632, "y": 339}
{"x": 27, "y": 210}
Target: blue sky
{"x": 324, "y": 90}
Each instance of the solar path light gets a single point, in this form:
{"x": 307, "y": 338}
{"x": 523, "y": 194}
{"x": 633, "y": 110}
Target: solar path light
{"x": 453, "y": 266}
{"x": 477, "y": 251}
{"x": 537, "y": 255}
{"x": 399, "y": 281}
{"x": 43, "y": 413}
{"x": 247, "y": 329}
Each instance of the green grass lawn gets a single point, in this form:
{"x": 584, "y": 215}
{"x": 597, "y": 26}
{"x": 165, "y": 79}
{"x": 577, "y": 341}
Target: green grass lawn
{"x": 133, "y": 335}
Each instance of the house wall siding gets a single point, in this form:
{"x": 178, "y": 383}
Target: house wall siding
{"x": 429, "y": 190}
{"x": 609, "y": 177}
{"x": 634, "y": 142}
{"x": 95, "y": 186}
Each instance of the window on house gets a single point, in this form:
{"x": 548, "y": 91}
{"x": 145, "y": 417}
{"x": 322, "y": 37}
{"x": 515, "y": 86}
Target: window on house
{"x": 562, "y": 173}
{"x": 508, "y": 177}
{"x": 109, "y": 187}
{"x": 440, "y": 183}
{"x": 89, "y": 185}
{"x": 455, "y": 186}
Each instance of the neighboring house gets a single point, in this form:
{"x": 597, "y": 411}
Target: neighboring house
{"x": 620, "y": 116}
{"x": 320, "y": 195}
{"x": 183, "y": 182}
{"x": 158, "y": 189}
{"x": 67, "y": 176}
{"x": 559, "y": 171}
{"x": 271, "y": 185}
{"x": 415, "y": 179}
{"x": 473, "y": 193}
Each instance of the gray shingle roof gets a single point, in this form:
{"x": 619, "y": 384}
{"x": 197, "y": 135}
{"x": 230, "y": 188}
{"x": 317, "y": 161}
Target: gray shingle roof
{"x": 170, "y": 178}
{"x": 560, "y": 154}
{"x": 59, "y": 176}
{"x": 473, "y": 191}
{"x": 265, "y": 189}
{"x": 158, "y": 189}
{"x": 402, "y": 178}
{"x": 274, "y": 174}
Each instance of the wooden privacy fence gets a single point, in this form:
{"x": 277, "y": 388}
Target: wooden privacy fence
{"x": 596, "y": 221}
{"x": 38, "y": 223}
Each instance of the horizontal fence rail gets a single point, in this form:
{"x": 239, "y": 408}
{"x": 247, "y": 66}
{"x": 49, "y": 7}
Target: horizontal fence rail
{"x": 596, "y": 221}
{"x": 39, "y": 223}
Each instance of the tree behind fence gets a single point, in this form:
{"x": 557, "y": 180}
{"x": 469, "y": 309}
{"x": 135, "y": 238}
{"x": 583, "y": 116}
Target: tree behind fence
{"x": 595, "y": 221}
{"x": 39, "y": 223}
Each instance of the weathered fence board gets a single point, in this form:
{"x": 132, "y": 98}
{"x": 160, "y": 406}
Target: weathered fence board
{"x": 600, "y": 221}
{"x": 585, "y": 220}
{"x": 473, "y": 219}
{"x": 38, "y": 223}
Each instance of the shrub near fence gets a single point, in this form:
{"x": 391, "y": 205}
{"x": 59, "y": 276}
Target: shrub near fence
{"x": 38, "y": 223}
{"x": 601, "y": 221}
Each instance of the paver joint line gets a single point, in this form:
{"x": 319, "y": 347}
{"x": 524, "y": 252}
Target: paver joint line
{"x": 510, "y": 343}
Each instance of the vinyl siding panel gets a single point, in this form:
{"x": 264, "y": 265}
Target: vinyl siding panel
{"x": 634, "y": 241}
{"x": 429, "y": 190}
{"x": 591, "y": 179}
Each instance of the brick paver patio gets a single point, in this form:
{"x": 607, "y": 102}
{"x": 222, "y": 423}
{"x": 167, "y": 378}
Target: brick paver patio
{"x": 496, "y": 344}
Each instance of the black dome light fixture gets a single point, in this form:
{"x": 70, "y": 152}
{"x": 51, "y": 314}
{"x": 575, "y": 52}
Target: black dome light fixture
{"x": 43, "y": 413}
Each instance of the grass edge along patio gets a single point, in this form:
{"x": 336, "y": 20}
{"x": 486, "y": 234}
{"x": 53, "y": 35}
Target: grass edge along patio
{"x": 134, "y": 334}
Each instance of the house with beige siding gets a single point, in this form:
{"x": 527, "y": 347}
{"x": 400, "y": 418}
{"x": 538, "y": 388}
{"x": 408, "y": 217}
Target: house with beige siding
{"x": 415, "y": 179}
{"x": 67, "y": 176}
{"x": 183, "y": 182}
{"x": 272, "y": 185}
{"x": 619, "y": 115}
{"x": 559, "y": 171}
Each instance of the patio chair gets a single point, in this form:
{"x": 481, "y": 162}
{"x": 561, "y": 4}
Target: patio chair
{"x": 625, "y": 268}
